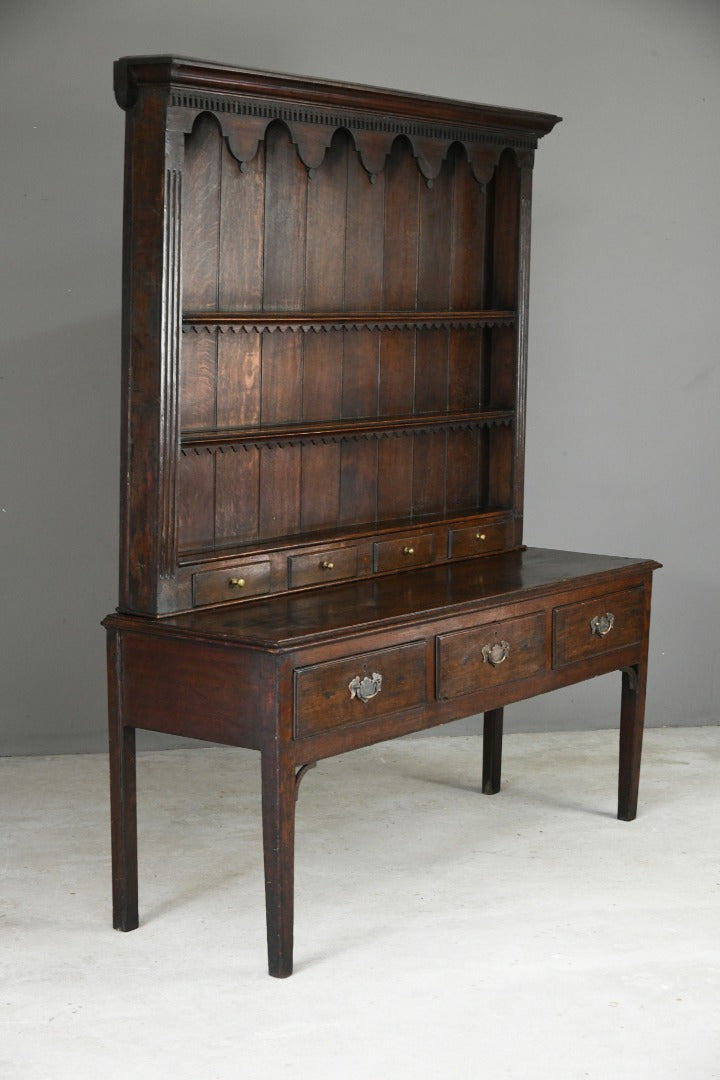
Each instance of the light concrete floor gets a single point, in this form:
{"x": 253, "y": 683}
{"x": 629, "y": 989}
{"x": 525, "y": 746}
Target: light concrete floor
{"x": 440, "y": 933}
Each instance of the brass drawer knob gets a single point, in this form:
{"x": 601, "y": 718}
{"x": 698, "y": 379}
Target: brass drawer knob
{"x": 602, "y": 624}
{"x": 237, "y": 583}
{"x": 408, "y": 550}
{"x": 366, "y": 687}
{"x": 327, "y": 565}
{"x": 480, "y": 536}
{"x": 496, "y": 653}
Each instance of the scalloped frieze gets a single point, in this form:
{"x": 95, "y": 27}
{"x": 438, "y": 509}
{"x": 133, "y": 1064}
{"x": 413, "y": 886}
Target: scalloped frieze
{"x": 276, "y": 442}
{"x": 244, "y": 123}
{"x": 260, "y": 327}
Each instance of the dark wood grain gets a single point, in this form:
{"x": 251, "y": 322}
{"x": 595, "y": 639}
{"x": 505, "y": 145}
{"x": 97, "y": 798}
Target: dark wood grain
{"x": 280, "y": 472}
{"x": 285, "y": 223}
{"x": 237, "y": 496}
{"x": 195, "y": 497}
{"x": 467, "y": 237}
{"x": 282, "y": 373}
{"x": 242, "y": 228}
{"x": 198, "y": 382}
{"x": 320, "y": 492}
{"x": 201, "y": 216}
{"x": 326, "y": 214}
{"x": 239, "y": 380}
{"x": 400, "y": 263}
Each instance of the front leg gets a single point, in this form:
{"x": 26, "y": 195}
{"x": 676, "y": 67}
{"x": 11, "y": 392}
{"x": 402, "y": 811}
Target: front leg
{"x": 632, "y": 714}
{"x": 492, "y": 751}
{"x": 123, "y": 812}
{"x": 278, "y": 810}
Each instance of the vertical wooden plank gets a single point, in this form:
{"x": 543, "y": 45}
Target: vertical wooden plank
{"x": 325, "y": 249}
{"x": 397, "y": 372}
{"x": 360, "y": 373}
{"x": 322, "y": 375}
{"x": 238, "y": 403}
{"x": 320, "y": 490}
{"x": 237, "y": 486}
{"x": 281, "y": 377}
{"x": 195, "y": 501}
{"x": 506, "y": 232}
{"x": 201, "y": 216}
{"x": 241, "y": 232}
{"x": 500, "y": 467}
{"x": 431, "y": 371}
{"x": 285, "y": 210}
{"x": 463, "y": 472}
{"x": 429, "y": 473}
{"x": 198, "y": 381}
{"x": 364, "y": 238}
{"x": 400, "y": 259}
{"x": 402, "y": 180}
{"x": 279, "y": 491}
{"x": 359, "y": 481}
{"x": 435, "y": 214}
{"x": 435, "y": 273}
{"x": 395, "y": 478}
{"x": 465, "y": 366}
{"x": 502, "y": 367}
{"x": 468, "y": 237}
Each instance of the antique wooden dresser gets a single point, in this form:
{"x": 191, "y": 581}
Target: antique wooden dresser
{"x": 324, "y": 342}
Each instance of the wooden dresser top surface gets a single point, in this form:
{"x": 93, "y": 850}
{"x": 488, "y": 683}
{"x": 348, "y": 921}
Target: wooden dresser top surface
{"x": 291, "y": 620}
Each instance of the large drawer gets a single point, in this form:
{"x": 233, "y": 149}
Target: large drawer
{"x": 485, "y": 656}
{"x": 357, "y": 688}
{"x": 584, "y": 630}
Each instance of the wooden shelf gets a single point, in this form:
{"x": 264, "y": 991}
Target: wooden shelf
{"x": 334, "y": 430}
{"x": 342, "y": 320}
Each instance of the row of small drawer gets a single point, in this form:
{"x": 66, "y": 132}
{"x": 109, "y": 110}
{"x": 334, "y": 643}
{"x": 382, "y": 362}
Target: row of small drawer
{"x": 323, "y": 566}
{"x": 348, "y": 691}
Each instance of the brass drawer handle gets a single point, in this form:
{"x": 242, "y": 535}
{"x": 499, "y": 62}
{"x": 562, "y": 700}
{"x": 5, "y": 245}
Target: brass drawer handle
{"x": 496, "y": 654}
{"x": 408, "y": 551}
{"x": 327, "y": 565}
{"x": 480, "y": 536}
{"x": 602, "y": 624}
{"x": 367, "y": 687}
{"x": 237, "y": 583}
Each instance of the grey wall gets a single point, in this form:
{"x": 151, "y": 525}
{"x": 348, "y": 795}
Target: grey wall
{"x": 625, "y": 290}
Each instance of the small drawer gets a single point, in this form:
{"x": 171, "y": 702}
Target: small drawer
{"x": 478, "y": 540}
{"x": 231, "y": 583}
{"x": 321, "y": 566}
{"x": 581, "y": 631}
{"x": 348, "y": 691}
{"x": 484, "y": 656}
{"x": 403, "y": 553}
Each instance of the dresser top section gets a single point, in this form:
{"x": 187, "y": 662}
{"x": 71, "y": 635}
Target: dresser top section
{"x": 180, "y": 73}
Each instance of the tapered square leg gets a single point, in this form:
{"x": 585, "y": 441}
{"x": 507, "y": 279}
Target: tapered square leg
{"x": 492, "y": 751}
{"x": 632, "y": 715}
{"x": 278, "y": 811}
{"x": 123, "y": 813}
